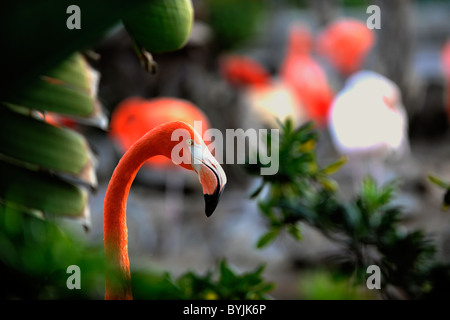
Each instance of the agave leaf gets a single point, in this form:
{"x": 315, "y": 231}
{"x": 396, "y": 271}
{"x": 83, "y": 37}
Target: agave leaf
{"x": 73, "y": 71}
{"x": 19, "y": 210}
{"x": 34, "y": 190}
{"x": 49, "y": 94}
{"x": 69, "y": 91}
{"x": 43, "y": 145}
{"x": 36, "y": 38}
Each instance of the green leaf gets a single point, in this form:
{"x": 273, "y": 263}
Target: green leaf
{"x": 267, "y": 238}
{"x": 369, "y": 188}
{"x": 255, "y": 193}
{"x": 306, "y": 127}
{"x": 334, "y": 167}
{"x": 41, "y": 191}
{"x": 43, "y": 145}
{"x": 323, "y": 285}
{"x": 227, "y": 275}
{"x": 352, "y": 217}
{"x": 46, "y": 94}
{"x": 439, "y": 182}
{"x": 369, "y": 194}
{"x": 19, "y": 210}
{"x": 295, "y": 231}
{"x": 387, "y": 192}
{"x": 328, "y": 184}
{"x": 154, "y": 286}
{"x": 73, "y": 71}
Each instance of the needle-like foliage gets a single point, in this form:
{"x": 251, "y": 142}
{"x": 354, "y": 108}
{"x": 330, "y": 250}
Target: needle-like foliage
{"x": 368, "y": 227}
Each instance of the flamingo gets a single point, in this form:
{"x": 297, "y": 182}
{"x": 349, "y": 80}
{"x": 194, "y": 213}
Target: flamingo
{"x": 345, "y": 43}
{"x": 158, "y": 141}
{"x": 267, "y": 98}
{"x": 368, "y": 122}
{"x": 132, "y": 119}
{"x": 306, "y": 77}
{"x": 445, "y": 58}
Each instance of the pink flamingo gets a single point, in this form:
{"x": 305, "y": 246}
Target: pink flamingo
{"x": 306, "y": 77}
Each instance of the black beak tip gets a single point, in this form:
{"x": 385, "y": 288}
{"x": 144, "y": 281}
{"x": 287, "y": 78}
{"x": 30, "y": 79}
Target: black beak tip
{"x": 211, "y": 202}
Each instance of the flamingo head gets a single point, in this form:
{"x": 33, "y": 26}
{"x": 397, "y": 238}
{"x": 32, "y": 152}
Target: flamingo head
{"x": 345, "y": 44}
{"x": 187, "y": 149}
{"x": 373, "y": 84}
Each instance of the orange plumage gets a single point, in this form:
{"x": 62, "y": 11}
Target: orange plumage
{"x": 445, "y": 58}
{"x": 135, "y": 116}
{"x": 156, "y": 142}
{"x": 306, "y": 77}
{"x": 345, "y": 44}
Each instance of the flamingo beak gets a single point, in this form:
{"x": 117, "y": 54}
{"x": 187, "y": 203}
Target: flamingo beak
{"x": 211, "y": 176}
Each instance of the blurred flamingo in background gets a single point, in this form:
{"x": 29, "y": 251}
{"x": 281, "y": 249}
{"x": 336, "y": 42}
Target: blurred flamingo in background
{"x": 135, "y": 116}
{"x": 60, "y": 121}
{"x": 445, "y": 58}
{"x": 305, "y": 76}
{"x": 196, "y": 157}
{"x": 368, "y": 123}
{"x": 243, "y": 71}
{"x": 346, "y": 43}
{"x": 267, "y": 98}
{"x": 132, "y": 119}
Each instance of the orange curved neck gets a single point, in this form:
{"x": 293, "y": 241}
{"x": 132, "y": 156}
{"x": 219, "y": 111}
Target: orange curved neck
{"x": 155, "y": 142}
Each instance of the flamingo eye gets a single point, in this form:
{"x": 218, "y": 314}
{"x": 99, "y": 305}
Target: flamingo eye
{"x": 190, "y": 142}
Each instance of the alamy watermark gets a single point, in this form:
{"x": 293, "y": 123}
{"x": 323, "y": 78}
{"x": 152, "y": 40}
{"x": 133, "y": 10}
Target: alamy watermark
{"x": 74, "y": 280}
{"x": 250, "y": 146}
{"x": 74, "y": 20}
{"x": 374, "y": 280}
{"x": 374, "y": 21}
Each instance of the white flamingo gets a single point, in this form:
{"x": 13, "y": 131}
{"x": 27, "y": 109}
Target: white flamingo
{"x": 368, "y": 123}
